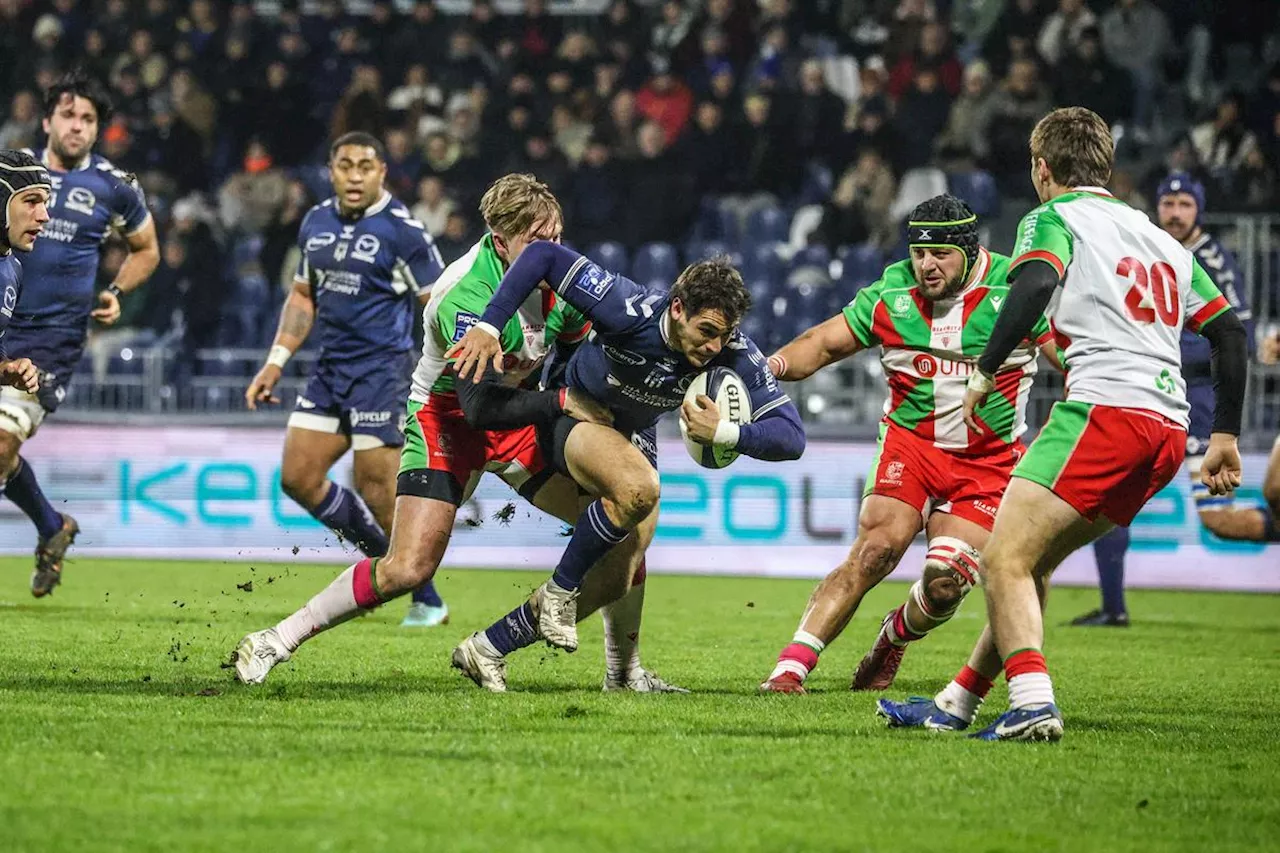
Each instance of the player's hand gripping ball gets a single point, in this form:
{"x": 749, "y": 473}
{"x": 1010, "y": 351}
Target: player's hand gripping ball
{"x": 714, "y": 397}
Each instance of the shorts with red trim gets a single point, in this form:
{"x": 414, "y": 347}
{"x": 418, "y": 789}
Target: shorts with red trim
{"x": 1104, "y": 460}
{"x": 443, "y": 458}
{"x": 917, "y": 472}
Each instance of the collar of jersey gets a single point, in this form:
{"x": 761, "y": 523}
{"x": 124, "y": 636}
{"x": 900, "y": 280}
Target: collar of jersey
{"x": 1093, "y": 190}
{"x": 84, "y": 164}
{"x": 372, "y": 210}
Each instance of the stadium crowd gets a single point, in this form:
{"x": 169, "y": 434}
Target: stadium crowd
{"x": 813, "y": 124}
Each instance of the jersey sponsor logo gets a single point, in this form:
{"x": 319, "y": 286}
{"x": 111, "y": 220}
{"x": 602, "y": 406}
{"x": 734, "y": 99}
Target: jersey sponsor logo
{"x": 1028, "y": 234}
{"x": 985, "y": 508}
{"x": 948, "y": 367}
{"x": 366, "y": 248}
{"x": 925, "y": 365}
{"x": 60, "y": 230}
{"x": 304, "y": 403}
{"x": 901, "y": 304}
{"x": 80, "y": 200}
{"x": 997, "y": 301}
{"x": 462, "y": 324}
{"x": 340, "y": 281}
{"x": 633, "y": 359}
{"x": 359, "y": 418}
{"x": 594, "y": 281}
{"x": 319, "y": 241}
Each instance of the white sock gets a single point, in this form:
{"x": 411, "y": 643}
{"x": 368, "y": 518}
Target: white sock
{"x": 622, "y": 632}
{"x": 959, "y": 702}
{"x": 486, "y": 645}
{"x": 1030, "y": 689}
{"x": 333, "y": 605}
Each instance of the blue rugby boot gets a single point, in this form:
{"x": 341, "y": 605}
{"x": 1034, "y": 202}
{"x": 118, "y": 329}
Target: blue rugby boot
{"x": 1042, "y": 722}
{"x": 919, "y": 712}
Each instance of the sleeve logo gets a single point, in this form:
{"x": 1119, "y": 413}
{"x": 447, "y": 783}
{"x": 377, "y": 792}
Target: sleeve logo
{"x": 463, "y": 323}
{"x": 594, "y": 281}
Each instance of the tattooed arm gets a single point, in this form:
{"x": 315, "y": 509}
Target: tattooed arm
{"x": 296, "y": 318}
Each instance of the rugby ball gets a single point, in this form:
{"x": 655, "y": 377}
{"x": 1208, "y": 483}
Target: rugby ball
{"x": 730, "y": 393}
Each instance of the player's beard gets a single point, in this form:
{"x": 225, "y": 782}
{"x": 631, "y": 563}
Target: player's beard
{"x": 954, "y": 286}
{"x": 1179, "y": 231}
{"x": 68, "y": 160}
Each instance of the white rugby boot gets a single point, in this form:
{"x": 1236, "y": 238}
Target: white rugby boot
{"x": 257, "y": 654}
{"x": 557, "y": 615}
{"x": 486, "y": 670}
{"x": 640, "y": 680}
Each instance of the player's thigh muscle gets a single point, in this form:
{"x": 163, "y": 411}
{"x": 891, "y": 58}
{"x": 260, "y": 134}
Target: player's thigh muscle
{"x": 886, "y": 527}
{"x": 419, "y": 537}
{"x": 308, "y": 456}
{"x": 375, "y": 474}
{"x": 606, "y": 463}
{"x": 1035, "y": 529}
{"x": 10, "y": 445}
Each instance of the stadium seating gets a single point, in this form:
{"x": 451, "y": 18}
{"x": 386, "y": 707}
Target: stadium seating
{"x": 767, "y": 225}
{"x": 611, "y": 256}
{"x": 860, "y": 265}
{"x": 978, "y": 190}
{"x": 761, "y": 261}
{"x": 655, "y": 261}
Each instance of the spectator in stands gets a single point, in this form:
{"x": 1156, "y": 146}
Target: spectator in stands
{"x": 403, "y": 163}
{"x": 907, "y": 22}
{"x": 196, "y": 263}
{"x": 535, "y": 33}
{"x": 252, "y": 199}
{"x": 22, "y": 128}
{"x": 1015, "y": 109}
{"x": 361, "y": 105}
{"x": 1255, "y": 184}
{"x": 671, "y": 35}
{"x": 1223, "y": 142}
{"x": 765, "y": 163}
{"x": 433, "y": 206}
{"x": 540, "y": 157}
{"x": 665, "y": 100}
{"x": 714, "y": 58}
{"x": 1014, "y": 35}
{"x": 733, "y": 18}
{"x": 1090, "y": 80}
{"x": 596, "y": 197}
{"x": 280, "y": 255}
{"x": 869, "y": 127}
{"x": 172, "y": 152}
{"x": 465, "y": 64}
{"x": 709, "y": 152}
{"x": 193, "y": 105}
{"x": 658, "y": 201}
{"x": 724, "y": 88}
{"x": 962, "y": 139}
{"x": 457, "y": 237}
{"x": 1135, "y": 37}
{"x": 775, "y": 65}
{"x": 934, "y": 52}
{"x": 424, "y": 27}
{"x": 571, "y": 133}
{"x": 620, "y": 128}
{"x": 93, "y": 56}
{"x": 921, "y": 116}
{"x": 858, "y": 210}
{"x": 1061, "y": 32}
{"x": 817, "y": 115}
{"x": 417, "y": 99}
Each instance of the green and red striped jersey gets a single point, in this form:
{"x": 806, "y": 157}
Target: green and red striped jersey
{"x": 929, "y": 350}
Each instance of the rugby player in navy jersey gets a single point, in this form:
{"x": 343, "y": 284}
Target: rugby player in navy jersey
{"x": 648, "y": 346}
{"x": 1179, "y": 211}
{"x": 91, "y": 199}
{"x": 24, "y": 210}
{"x": 366, "y": 264}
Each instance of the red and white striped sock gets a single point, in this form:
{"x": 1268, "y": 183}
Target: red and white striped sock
{"x": 350, "y": 594}
{"x": 963, "y": 696}
{"x": 1028, "y": 677}
{"x": 800, "y": 657}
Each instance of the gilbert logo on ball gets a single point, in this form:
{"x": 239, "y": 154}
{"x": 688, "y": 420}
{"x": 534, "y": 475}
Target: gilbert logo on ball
{"x": 729, "y": 392}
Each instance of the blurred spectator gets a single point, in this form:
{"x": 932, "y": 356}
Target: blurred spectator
{"x": 1255, "y": 183}
{"x": 280, "y": 115}
{"x": 1014, "y": 35}
{"x": 671, "y": 34}
{"x": 403, "y": 163}
{"x": 817, "y": 115}
{"x": 1135, "y": 36}
{"x": 658, "y": 203}
{"x": 172, "y": 149}
{"x": 535, "y": 33}
{"x": 595, "y": 201}
{"x": 571, "y": 133}
{"x": 360, "y": 107}
{"x": 1089, "y": 79}
{"x": 416, "y": 98}
{"x": 94, "y": 57}
{"x": 869, "y": 127}
{"x": 540, "y": 157}
{"x": 933, "y": 52}
{"x": 766, "y": 167}
{"x": 23, "y": 125}
{"x": 1062, "y": 30}
{"x": 1015, "y": 109}
{"x": 433, "y": 206}
{"x": 193, "y": 104}
{"x": 620, "y": 128}
{"x": 708, "y": 150}
{"x": 858, "y": 210}
{"x": 281, "y": 239}
{"x": 457, "y": 237}
{"x": 906, "y": 23}
{"x": 775, "y": 65}
{"x": 252, "y": 199}
{"x": 962, "y": 138}
{"x": 665, "y": 100}
{"x": 733, "y": 18}
{"x": 422, "y": 28}
{"x": 921, "y": 116}
{"x": 196, "y": 264}
{"x": 1223, "y": 142}
{"x": 464, "y": 64}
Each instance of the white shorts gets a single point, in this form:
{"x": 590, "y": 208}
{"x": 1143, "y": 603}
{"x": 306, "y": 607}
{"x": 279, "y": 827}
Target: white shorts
{"x": 20, "y": 413}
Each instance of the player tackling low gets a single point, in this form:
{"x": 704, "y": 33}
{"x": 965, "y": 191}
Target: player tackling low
{"x": 930, "y": 316}
{"x": 366, "y": 264}
{"x": 24, "y": 210}
{"x": 91, "y": 199}
{"x": 1118, "y": 292}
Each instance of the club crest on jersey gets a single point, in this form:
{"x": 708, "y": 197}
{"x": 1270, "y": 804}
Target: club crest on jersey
{"x": 463, "y": 323}
{"x": 901, "y": 304}
{"x": 595, "y": 281}
{"x": 893, "y": 473}
{"x": 366, "y": 248}
{"x": 10, "y": 300}
{"x": 80, "y": 200}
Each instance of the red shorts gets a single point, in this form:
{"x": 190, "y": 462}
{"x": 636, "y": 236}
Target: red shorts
{"x": 444, "y": 458}
{"x": 1104, "y": 460}
{"x": 917, "y": 472}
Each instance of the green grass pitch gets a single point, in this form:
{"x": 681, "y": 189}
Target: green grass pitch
{"x": 120, "y": 732}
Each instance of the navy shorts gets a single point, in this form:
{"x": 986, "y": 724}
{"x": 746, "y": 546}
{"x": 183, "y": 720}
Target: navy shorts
{"x": 362, "y": 400}
{"x": 552, "y": 439}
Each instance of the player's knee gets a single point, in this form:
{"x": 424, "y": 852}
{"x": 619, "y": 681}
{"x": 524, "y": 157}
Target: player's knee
{"x": 951, "y": 568}
{"x": 874, "y": 556}
{"x": 943, "y": 594}
{"x": 403, "y": 570}
{"x": 635, "y": 496}
{"x": 302, "y": 485}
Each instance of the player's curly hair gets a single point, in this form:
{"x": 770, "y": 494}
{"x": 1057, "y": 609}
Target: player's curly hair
{"x": 79, "y": 84}
{"x": 716, "y": 284}
{"x": 514, "y": 203}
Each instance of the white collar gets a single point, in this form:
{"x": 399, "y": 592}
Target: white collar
{"x": 84, "y": 164}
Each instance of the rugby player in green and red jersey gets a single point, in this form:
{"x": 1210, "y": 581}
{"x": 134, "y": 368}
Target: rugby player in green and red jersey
{"x": 930, "y": 316}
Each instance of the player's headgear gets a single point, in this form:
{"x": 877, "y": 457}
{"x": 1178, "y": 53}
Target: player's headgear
{"x": 945, "y": 221}
{"x": 18, "y": 171}
{"x": 1182, "y": 182}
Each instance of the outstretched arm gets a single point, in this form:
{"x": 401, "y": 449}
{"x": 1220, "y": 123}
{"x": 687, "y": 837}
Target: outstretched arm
{"x": 814, "y": 349}
{"x": 296, "y": 318}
